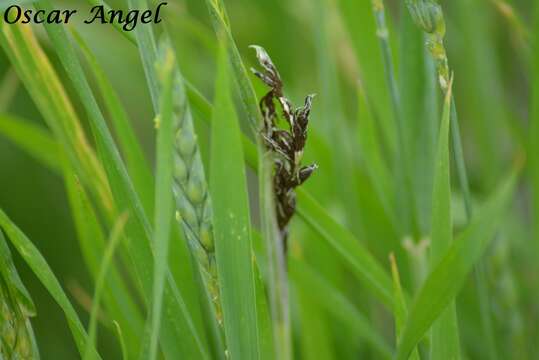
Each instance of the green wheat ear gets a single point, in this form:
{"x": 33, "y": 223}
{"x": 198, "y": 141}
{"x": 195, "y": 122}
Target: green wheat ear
{"x": 194, "y": 210}
{"x": 16, "y": 307}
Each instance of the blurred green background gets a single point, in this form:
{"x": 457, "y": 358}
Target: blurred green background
{"x": 319, "y": 46}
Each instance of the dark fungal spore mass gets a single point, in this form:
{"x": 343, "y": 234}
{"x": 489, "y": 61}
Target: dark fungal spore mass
{"x": 98, "y": 14}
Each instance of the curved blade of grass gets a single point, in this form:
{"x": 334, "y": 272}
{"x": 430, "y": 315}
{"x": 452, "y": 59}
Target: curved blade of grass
{"x": 118, "y": 301}
{"x": 446, "y": 279}
{"x": 138, "y": 228}
{"x": 120, "y": 336}
{"x": 41, "y": 269}
{"x": 136, "y": 162}
{"x": 245, "y": 87}
{"x": 114, "y": 240}
{"x": 163, "y": 193}
{"x": 337, "y": 305}
{"x": 445, "y": 336}
{"x": 33, "y": 139}
{"x": 232, "y": 227}
{"x": 148, "y": 52}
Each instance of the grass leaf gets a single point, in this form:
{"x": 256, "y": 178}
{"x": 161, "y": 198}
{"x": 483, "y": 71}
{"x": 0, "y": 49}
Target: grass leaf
{"x": 445, "y": 336}
{"x": 115, "y": 238}
{"x": 163, "y": 192}
{"x": 119, "y": 302}
{"x": 232, "y": 226}
{"x": 136, "y": 162}
{"x": 400, "y": 309}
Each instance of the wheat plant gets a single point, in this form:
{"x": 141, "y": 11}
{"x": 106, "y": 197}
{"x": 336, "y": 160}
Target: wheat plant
{"x": 155, "y": 202}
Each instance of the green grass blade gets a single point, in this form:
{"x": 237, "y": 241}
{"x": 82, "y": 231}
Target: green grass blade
{"x": 138, "y": 229}
{"x": 148, "y": 52}
{"x": 119, "y": 302}
{"x": 41, "y": 269}
{"x": 400, "y": 309}
{"x": 163, "y": 192}
{"x": 245, "y": 87}
{"x": 136, "y": 161}
{"x": 337, "y": 305}
{"x": 446, "y": 279}
{"x": 113, "y": 243}
{"x": 232, "y": 226}
{"x": 445, "y": 336}
{"x": 120, "y": 336}
{"x": 33, "y": 139}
